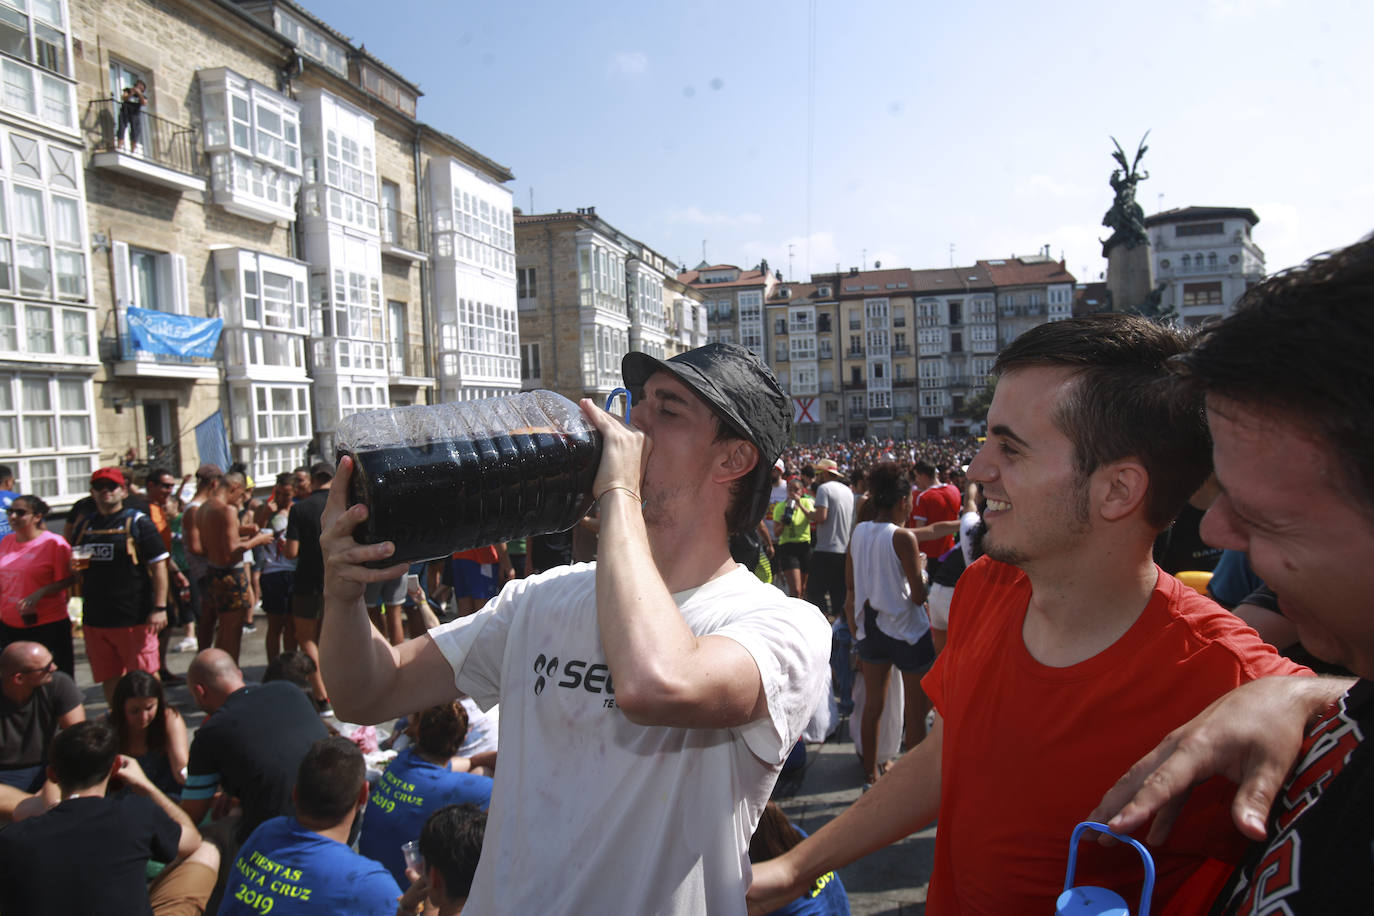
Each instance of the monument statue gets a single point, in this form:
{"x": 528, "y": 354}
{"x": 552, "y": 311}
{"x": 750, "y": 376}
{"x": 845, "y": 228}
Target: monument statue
{"x": 1126, "y": 219}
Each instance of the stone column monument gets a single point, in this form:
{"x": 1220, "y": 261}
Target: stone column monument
{"x": 1130, "y": 268}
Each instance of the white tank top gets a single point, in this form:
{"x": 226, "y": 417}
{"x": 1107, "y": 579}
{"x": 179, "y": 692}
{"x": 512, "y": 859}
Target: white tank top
{"x": 880, "y": 580}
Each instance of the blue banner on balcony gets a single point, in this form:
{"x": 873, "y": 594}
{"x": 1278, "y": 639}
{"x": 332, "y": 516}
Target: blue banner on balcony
{"x": 173, "y": 335}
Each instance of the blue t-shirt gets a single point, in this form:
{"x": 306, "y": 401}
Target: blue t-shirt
{"x": 286, "y": 870}
{"x": 410, "y": 791}
{"x": 6, "y": 497}
{"x": 825, "y": 897}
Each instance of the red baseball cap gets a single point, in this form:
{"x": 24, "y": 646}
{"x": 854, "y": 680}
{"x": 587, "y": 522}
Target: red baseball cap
{"x": 114, "y": 475}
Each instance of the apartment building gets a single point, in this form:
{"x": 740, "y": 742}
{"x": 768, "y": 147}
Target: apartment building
{"x": 1206, "y": 258}
{"x": 734, "y": 302}
{"x": 49, "y": 359}
{"x": 275, "y": 241}
{"x": 588, "y": 293}
{"x": 956, "y": 339}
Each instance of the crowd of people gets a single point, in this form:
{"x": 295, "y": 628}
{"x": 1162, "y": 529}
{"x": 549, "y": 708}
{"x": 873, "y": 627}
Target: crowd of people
{"x": 655, "y": 669}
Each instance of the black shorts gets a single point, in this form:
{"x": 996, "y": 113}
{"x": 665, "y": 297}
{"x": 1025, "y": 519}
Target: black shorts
{"x": 879, "y": 648}
{"x": 276, "y": 591}
{"x": 793, "y": 555}
{"x": 309, "y": 606}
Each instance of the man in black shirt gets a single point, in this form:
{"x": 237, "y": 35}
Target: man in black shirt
{"x": 88, "y": 853}
{"x": 251, "y": 744}
{"x": 302, "y": 544}
{"x": 35, "y": 701}
{"x": 123, "y": 582}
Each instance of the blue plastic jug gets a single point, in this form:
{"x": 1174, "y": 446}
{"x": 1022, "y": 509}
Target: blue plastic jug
{"x": 1098, "y": 901}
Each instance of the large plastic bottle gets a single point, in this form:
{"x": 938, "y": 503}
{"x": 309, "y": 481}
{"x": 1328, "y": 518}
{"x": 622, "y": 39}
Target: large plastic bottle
{"x": 448, "y": 477}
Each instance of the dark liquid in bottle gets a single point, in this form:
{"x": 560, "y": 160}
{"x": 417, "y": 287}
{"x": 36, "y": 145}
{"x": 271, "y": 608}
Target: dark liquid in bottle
{"x": 433, "y": 499}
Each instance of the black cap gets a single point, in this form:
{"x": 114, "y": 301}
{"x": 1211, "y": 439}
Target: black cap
{"x": 739, "y": 388}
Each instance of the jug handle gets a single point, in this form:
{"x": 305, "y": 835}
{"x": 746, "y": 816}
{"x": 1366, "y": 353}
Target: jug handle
{"x": 1146, "y": 890}
{"x": 610, "y": 399}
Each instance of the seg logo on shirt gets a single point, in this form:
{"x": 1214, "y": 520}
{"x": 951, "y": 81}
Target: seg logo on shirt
{"x": 102, "y": 553}
{"x": 593, "y": 677}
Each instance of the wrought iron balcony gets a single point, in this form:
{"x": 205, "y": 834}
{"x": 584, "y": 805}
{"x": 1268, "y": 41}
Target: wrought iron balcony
{"x": 167, "y": 153}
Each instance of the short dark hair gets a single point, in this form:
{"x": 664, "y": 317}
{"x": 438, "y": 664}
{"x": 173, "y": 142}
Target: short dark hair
{"x": 924, "y": 467}
{"x": 451, "y": 842}
{"x": 441, "y": 729}
{"x": 83, "y": 754}
{"x": 329, "y": 779}
{"x": 1319, "y": 319}
{"x": 1124, "y": 403}
{"x": 292, "y": 665}
{"x": 887, "y": 485}
{"x": 321, "y": 472}
{"x": 6, "y": 472}
{"x": 285, "y": 479}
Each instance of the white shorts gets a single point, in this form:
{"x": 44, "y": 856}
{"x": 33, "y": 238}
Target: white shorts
{"x": 937, "y": 604}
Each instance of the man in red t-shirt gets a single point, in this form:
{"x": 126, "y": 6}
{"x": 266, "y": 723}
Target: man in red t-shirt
{"x": 931, "y": 502}
{"x": 1070, "y": 654}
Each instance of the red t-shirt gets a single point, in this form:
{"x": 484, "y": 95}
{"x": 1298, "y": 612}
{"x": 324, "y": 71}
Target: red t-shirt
{"x": 940, "y": 503}
{"x": 27, "y": 567}
{"x": 1030, "y": 750}
{"x": 485, "y": 554}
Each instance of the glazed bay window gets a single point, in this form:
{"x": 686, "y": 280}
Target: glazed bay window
{"x": 41, "y": 221}
{"x": 281, "y": 413}
{"x": 34, "y": 31}
{"x": 252, "y": 134}
{"x": 44, "y": 414}
{"x": 45, "y": 330}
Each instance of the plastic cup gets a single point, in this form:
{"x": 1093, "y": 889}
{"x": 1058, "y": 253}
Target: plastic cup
{"x": 81, "y": 557}
{"x": 411, "y": 852}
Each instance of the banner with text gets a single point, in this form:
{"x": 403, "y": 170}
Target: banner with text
{"x": 173, "y": 335}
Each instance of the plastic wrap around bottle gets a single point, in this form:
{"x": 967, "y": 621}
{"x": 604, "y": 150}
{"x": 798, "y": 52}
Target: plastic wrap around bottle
{"x": 447, "y": 477}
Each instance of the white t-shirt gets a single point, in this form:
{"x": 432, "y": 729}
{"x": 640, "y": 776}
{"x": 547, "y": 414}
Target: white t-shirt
{"x": 967, "y": 522}
{"x": 832, "y": 535}
{"x": 591, "y": 813}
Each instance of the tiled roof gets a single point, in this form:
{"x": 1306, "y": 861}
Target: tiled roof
{"x": 746, "y": 278}
{"x": 1021, "y": 272}
{"x": 1188, "y": 214}
{"x": 952, "y": 279}
{"x": 798, "y": 292}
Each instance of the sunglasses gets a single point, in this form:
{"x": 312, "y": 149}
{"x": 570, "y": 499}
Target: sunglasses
{"x": 50, "y": 666}
{"x": 104, "y": 485}
{"x": 166, "y": 485}
{"x": 16, "y": 512}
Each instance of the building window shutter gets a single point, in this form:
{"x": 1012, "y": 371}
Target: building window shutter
{"x": 123, "y": 285}
{"x": 179, "y": 292}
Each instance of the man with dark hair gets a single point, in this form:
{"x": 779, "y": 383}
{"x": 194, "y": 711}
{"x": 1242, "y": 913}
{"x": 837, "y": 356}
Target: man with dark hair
{"x": 1069, "y": 652}
{"x": 250, "y": 744}
{"x": 1310, "y": 536}
{"x": 302, "y": 544}
{"x": 36, "y": 700}
{"x": 418, "y": 782}
{"x": 123, "y": 584}
{"x": 293, "y": 666}
{"x": 80, "y": 855}
{"x": 451, "y": 845}
{"x": 931, "y": 502}
{"x": 302, "y": 864}
{"x": 649, "y": 697}
{"x": 225, "y": 541}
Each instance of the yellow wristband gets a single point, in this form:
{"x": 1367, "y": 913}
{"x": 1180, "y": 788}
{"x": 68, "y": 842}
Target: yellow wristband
{"x": 618, "y": 487}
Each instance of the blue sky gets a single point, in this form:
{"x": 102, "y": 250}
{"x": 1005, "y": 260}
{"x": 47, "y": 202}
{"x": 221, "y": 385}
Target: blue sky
{"x": 979, "y": 125}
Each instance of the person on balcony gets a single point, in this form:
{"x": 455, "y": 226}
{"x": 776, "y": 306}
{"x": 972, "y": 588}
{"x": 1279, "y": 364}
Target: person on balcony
{"x": 131, "y": 102}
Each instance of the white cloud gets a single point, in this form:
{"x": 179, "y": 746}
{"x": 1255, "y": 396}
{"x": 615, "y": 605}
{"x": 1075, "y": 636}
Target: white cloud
{"x": 1043, "y": 186}
{"x": 628, "y": 63}
{"x": 697, "y": 216}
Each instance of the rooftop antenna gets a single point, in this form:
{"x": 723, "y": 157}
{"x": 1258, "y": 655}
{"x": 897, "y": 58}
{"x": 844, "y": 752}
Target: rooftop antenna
{"x": 863, "y": 259}
{"x": 790, "y": 246}
{"x": 531, "y": 200}
{"x": 1161, "y": 202}
{"x": 951, "y": 254}
{"x": 703, "y": 252}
